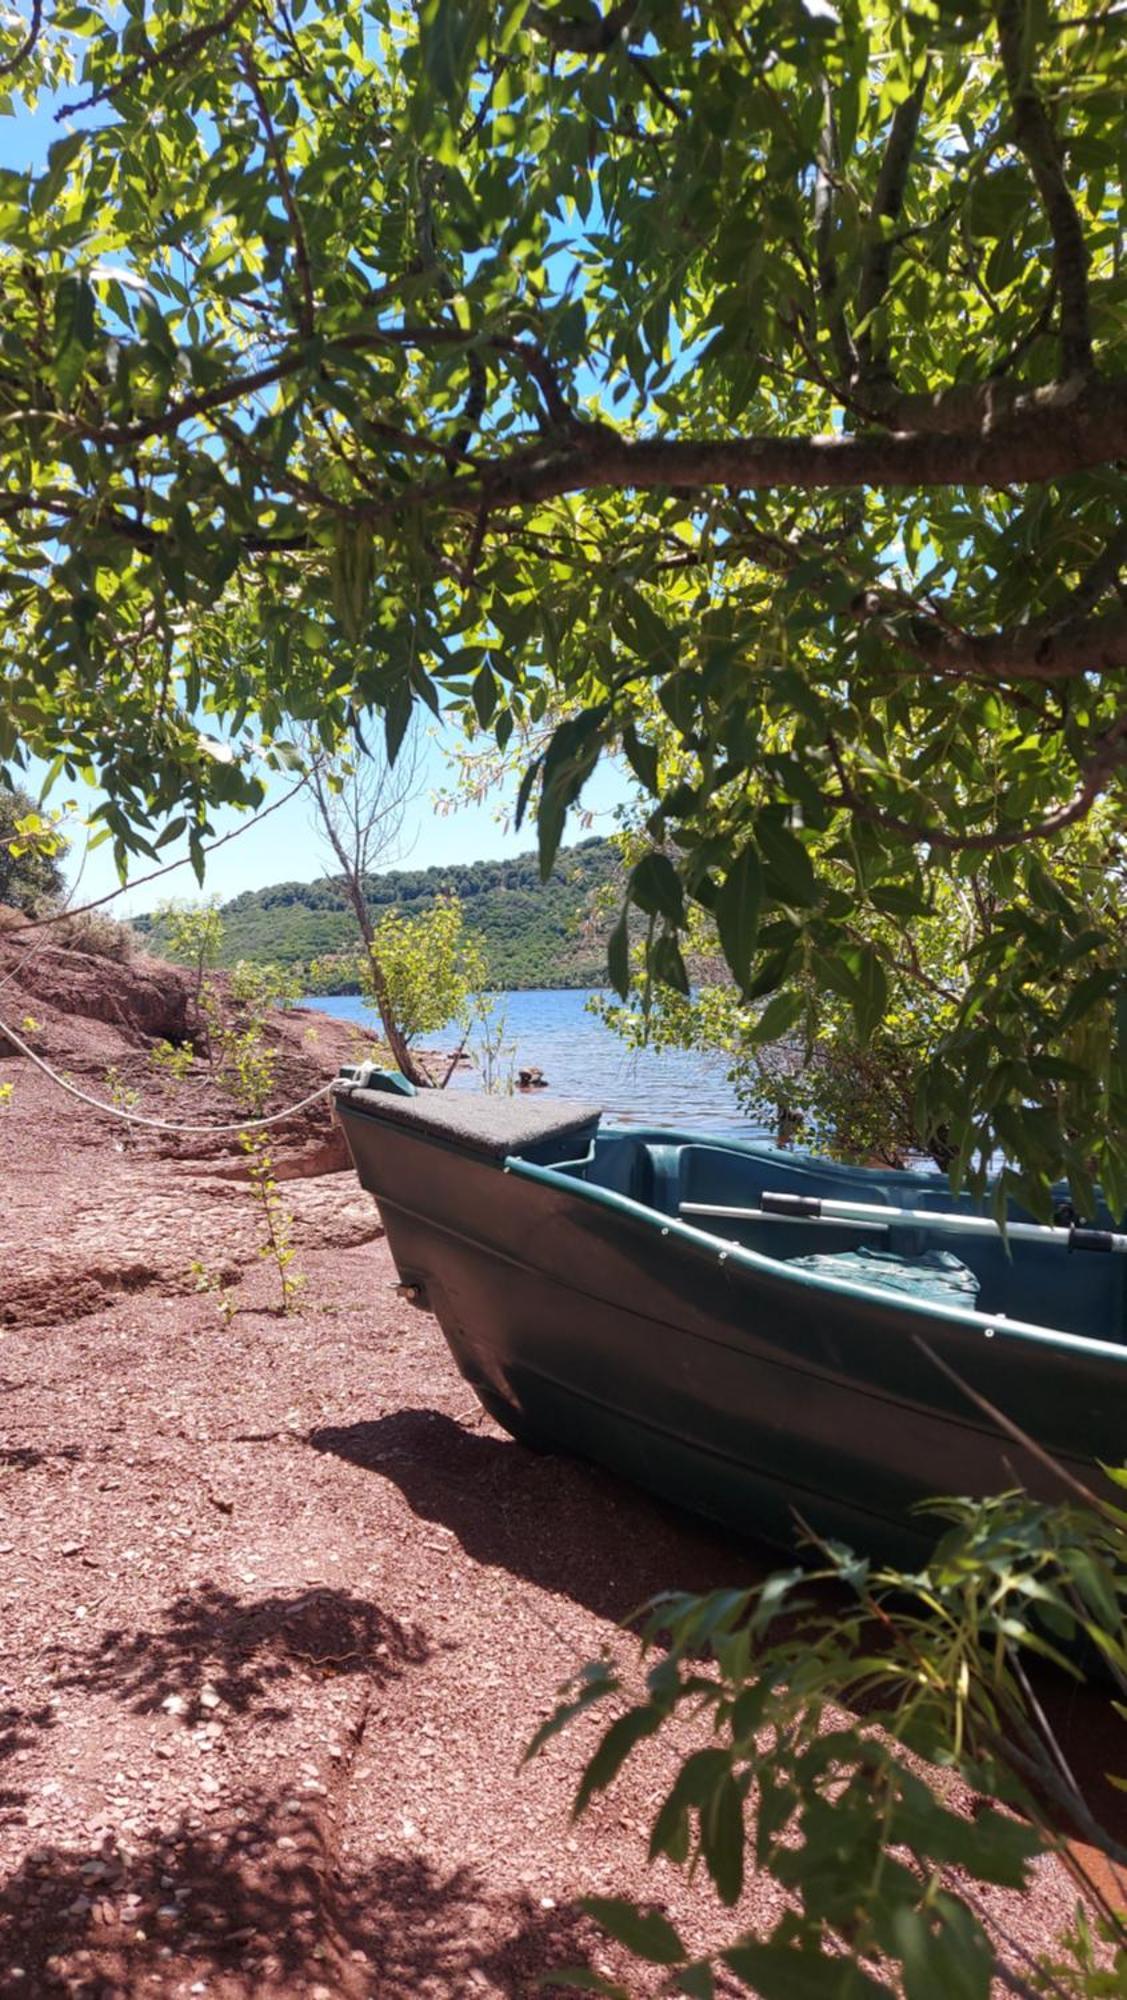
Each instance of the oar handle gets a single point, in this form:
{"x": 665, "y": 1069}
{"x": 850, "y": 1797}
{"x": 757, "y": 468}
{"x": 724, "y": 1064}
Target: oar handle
{"x": 815, "y": 1208}
{"x": 1093, "y": 1239}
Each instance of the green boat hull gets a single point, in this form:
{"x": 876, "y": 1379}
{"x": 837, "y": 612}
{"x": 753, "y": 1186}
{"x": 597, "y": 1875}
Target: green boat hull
{"x": 591, "y": 1318}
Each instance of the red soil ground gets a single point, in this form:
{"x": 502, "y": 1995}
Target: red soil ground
{"x": 281, "y": 1607}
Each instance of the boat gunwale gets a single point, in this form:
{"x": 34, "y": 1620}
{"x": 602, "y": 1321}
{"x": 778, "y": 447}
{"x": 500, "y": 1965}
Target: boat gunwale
{"x": 996, "y": 1326}
{"x": 1022, "y": 1332}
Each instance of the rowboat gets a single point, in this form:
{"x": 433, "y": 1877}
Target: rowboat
{"x": 717, "y": 1322}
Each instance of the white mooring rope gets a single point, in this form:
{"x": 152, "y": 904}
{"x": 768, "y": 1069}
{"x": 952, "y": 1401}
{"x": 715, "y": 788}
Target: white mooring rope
{"x": 155, "y": 1124}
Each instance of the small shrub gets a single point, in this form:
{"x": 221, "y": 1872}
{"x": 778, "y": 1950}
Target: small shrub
{"x": 211, "y": 1283}
{"x": 791, "y": 1774}
{"x": 124, "y": 1098}
{"x": 97, "y": 935}
{"x": 172, "y": 1059}
{"x": 260, "y": 988}
{"x": 247, "y": 1061}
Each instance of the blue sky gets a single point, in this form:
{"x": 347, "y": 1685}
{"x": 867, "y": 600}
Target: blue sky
{"x": 285, "y": 847}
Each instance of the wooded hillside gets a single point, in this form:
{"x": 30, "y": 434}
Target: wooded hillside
{"x": 534, "y": 933}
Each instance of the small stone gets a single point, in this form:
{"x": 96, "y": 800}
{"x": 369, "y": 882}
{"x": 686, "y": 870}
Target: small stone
{"x": 174, "y": 1704}
{"x": 208, "y": 1696}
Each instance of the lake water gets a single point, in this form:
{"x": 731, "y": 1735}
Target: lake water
{"x": 554, "y": 1032}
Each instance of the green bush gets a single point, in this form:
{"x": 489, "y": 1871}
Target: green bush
{"x": 31, "y": 851}
{"x": 822, "y": 1730}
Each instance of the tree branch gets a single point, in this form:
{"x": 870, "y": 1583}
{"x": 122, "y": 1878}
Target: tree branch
{"x": 27, "y": 46}
{"x": 964, "y": 406}
{"x": 829, "y": 164}
{"x": 588, "y": 38}
{"x": 173, "y": 55}
{"x": 478, "y": 392}
{"x": 1103, "y": 575}
{"x": 1060, "y": 651}
{"x": 876, "y": 265}
{"x": 645, "y": 71}
{"x": 1035, "y": 136}
{"x": 307, "y": 311}
{"x": 543, "y": 373}
{"x": 1073, "y": 433}
{"x": 1110, "y": 757}
{"x": 1080, "y": 425}
{"x": 168, "y": 867}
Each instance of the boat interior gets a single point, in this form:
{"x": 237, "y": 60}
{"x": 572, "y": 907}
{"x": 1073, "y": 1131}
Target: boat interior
{"x": 697, "y": 1183}
{"x": 1040, "y": 1282}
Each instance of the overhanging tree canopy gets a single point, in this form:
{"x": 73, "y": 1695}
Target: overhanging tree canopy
{"x": 744, "y": 377}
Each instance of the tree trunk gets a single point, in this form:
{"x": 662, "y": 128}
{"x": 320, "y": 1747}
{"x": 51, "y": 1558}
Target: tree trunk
{"x": 405, "y": 1061}
{"x": 352, "y": 870}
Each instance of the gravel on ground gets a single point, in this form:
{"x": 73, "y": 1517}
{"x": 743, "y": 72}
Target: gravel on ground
{"x": 282, "y": 1609}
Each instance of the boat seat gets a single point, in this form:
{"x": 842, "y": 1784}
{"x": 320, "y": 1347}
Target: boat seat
{"x": 491, "y": 1126}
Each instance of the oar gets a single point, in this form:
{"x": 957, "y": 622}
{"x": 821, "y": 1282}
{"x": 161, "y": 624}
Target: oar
{"x": 761, "y": 1215}
{"x": 811, "y": 1208}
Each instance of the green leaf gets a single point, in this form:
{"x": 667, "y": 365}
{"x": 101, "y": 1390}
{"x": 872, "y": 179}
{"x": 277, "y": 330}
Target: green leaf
{"x": 696, "y": 1782}
{"x": 485, "y": 692}
{"x": 788, "y": 1972}
{"x": 871, "y": 999}
{"x": 397, "y": 718}
{"x": 722, "y": 1839}
{"x": 737, "y": 913}
{"x": 525, "y": 791}
{"x": 779, "y": 1015}
{"x": 618, "y": 955}
{"x": 569, "y": 760}
{"x": 451, "y": 30}
{"x": 790, "y": 876}
{"x": 642, "y": 758}
{"x": 624, "y": 1734}
{"x": 656, "y": 888}
{"x": 667, "y": 964}
{"x": 75, "y": 331}
{"x": 647, "y": 1934}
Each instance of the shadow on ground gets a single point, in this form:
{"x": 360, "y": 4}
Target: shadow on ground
{"x": 20, "y": 1727}
{"x": 26, "y": 1457}
{"x": 244, "y": 1649}
{"x": 260, "y": 1908}
{"x": 559, "y": 1523}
